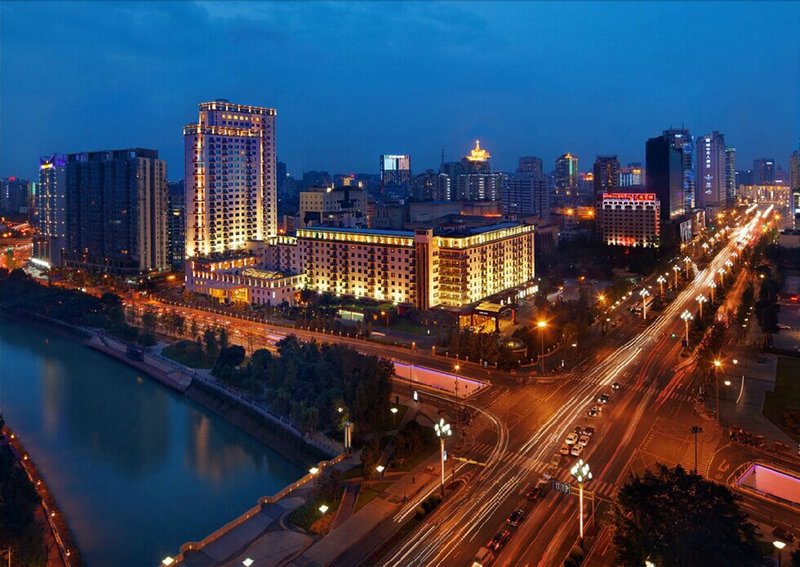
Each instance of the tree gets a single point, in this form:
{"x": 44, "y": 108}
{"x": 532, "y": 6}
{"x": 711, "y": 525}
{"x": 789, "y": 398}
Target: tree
{"x": 674, "y": 518}
{"x": 211, "y": 344}
{"x": 223, "y": 337}
{"x": 230, "y": 356}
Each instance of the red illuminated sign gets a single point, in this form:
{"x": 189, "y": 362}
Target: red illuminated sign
{"x": 631, "y": 196}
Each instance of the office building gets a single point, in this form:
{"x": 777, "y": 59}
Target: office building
{"x": 606, "y": 174}
{"x": 176, "y": 224}
{"x": 479, "y": 186}
{"x": 325, "y": 206}
{"x": 117, "y": 206}
{"x": 566, "y": 175}
{"x": 15, "y": 196}
{"x": 763, "y": 171}
{"x": 794, "y": 170}
{"x": 631, "y": 177}
{"x": 530, "y": 164}
{"x": 395, "y": 169}
{"x": 711, "y": 171}
{"x": 424, "y": 268}
{"x": 664, "y": 176}
{"x": 681, "y": 139}
{"x": 526, "y": 194}
{"x": 230, "y": 176}
{"x": 51, "y": 211}
{"x": 730, "y": 176}
{"x": 629, "y": 219}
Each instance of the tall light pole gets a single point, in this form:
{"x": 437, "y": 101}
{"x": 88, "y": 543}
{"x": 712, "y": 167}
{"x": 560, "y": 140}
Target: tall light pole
{"x": 676, "y": 269}
{"x": 686, "y": 316}
{"x": 700, "y": 300}
{"x": 779, "y": 545}
{"x": 443, "y": 431}
{"x": 456, "y": 368}
{"x": 644, "y": 294}
{"x": 721, "y": 273}
{"x": 687, "y": 262}
{"x": 661, "y": 281}
{"x": 695, "y": 430}
{"x": 717, "y": 366}
{"x": 541, "y": 326}
{"x": 713, "y": 287}
{"x": 582, "y": 474}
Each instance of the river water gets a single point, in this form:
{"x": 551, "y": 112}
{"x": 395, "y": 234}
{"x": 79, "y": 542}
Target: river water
{"x": 136, "y": 468}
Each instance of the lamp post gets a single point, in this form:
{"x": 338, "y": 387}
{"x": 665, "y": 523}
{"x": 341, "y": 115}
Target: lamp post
{"x": 695, "y": 430}
{"x": 644, "y": 294}
{"x": 700, "y": 300}
{"x": 686, "y": 316}
{"x": 779, "y": 545}
{"x": 687, "y": 262}
{"x": 582, "y": 474}
{"x": 676, "y": 269}
{"x": 721, "y": 273}
{"x": 713, "y": 287}
{"x": 717, "y": 366}
{"x": 541, "y": 326}
{"x": 394, "y": 410}
{"x": 661, "y": 280}
{"x": 456, "y": 369}
{"x": 443, "y": 431}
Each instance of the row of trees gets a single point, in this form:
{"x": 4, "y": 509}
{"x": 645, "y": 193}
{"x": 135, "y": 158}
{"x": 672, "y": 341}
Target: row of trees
{"x": 310, "y": 382}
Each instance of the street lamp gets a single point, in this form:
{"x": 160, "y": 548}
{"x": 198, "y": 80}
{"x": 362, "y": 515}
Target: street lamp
{"x": 582, "y": 474}
{"x": 687, "y": 262}
{"x": 661, "y": 281}
{"x": 645, "y": 294}
{"x": 695, "y": 430}
{"x": 394, "y": 415}
{"x": 779, "y": 545}
{"x": 721, "y": 273}
{"x": 676, "y": 269}
{"x": 686, "y": 316}
{"x": 443, "y": 431}
{"x": 541, "y": 326}
{"x": 167, "y": 560}
{"x": 323, "y": 508}
{"x": 717, "y": 366}
{"x": 713, "y": 287}
{"x": 456, "y": 369}
{"x": 700, "y": 300}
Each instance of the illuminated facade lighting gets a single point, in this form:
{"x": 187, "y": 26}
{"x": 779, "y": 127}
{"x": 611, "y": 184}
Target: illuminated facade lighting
{"x": 629, "y": 219}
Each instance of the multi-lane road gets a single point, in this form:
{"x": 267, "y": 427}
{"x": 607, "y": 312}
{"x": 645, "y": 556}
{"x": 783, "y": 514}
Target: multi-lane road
{"x": 646, "y": 420}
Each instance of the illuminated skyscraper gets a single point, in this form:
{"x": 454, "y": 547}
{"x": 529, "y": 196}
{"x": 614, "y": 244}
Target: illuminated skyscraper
{"x": 395, "y": 169}
{"x": 478, "y": 160}
{"x": 230, "y": 177}
{"x": 730, "y": 176}
{"x": 51, "y": 210}
{"x": 664, "y": 176}
{"x": 606, "y": 174}
{"x": 763, "y": 171}
{"x": 632, "y": 176}
{"x": 566, "y": 175}
{"x": 682, "y": 140}
{"x": 711, "y": 171}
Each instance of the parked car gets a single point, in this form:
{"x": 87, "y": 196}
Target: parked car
{"x": 555, "y": 461}
{"x": 499, "y": 540}
{"x": 516, "y": 517}
{"x": 564, "y": 449}
{"x": 583, "y": 440}
{"x": 577, "y": 450}
{"x": 571, "y": 439}
{"x": 588, "y": 431}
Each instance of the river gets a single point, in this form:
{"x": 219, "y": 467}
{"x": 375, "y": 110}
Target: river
{"x": 136, "y": 468}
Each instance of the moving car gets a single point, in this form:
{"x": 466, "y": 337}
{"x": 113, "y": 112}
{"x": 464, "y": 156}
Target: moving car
{"x": 583, "y": 441}
{"x": 615, "y": 386}
{"x": 564, "y": 449}
{"x": 602, "y": 399}
{"x": 571, "y": 439}
{"x": 537, "y": 491}
{"x": 516, "y": 517}
{"x": 588, "y": 431}
{"x": 598, "y": 409}
{"x": 593, "y": 413}
{"x": 499, "y": 540}
{"x": 482, "y": 558}
{"x": 577, "y": 450}
{"x": 555, "y": 461}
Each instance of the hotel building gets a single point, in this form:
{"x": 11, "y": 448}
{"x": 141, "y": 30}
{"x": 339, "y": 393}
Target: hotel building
{"x": 424, "y": 268}
{"x": 230, "y": 177}
{"x": 51, "y": 211}
{"x": 629, "y": 219}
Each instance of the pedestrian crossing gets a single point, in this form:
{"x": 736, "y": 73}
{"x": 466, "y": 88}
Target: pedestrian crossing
{"x": 522, "y": 462}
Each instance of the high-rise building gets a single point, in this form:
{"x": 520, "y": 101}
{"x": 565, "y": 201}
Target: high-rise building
{"x": 794, "y": 181}
{"x": 117, "y": 206}
{"x": 395, "y": 169}
{"x": 763, "y": 171}
{"x": 682, "y": 140}
{"x": 730, "y": 176}
{"x": 711, "y": 171}
{"x": 479, "y": 186}
{"x": 478, "y": 160}
{"x": 340, "y": 207}
{"x": 176, "y": 224}
{"x": 664, "y": 176}
{"x": 606, "y": 174}
{"x": 530, "y": 164}
{"x": 15, "y": 196}
{"x": 230, "y": 177}
{"x": 526, "y": 194}
{"x": 628, "y": 219}
{"x": 51, "y": 210}
{"x": 566, "y": 175}
{"x": 632, "y": 176}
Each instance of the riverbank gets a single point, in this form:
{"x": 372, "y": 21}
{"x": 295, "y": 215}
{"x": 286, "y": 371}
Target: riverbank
{"x": 50, "y": 519}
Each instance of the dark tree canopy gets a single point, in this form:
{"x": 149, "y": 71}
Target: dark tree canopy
{"x": 674, "y": 518}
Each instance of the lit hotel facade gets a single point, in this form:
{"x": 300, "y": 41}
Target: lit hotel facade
{"x": 230, "y": 177}
{"x": 629, "y": 219}
{"x": 422, "y": 268}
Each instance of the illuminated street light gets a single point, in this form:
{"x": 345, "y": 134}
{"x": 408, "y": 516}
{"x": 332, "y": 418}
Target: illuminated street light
{"x": 779, "y": 545}
{"x": 645, "y": 294}
{"x": 582, "y": 474}
{"x": 686, "y": 316}
{"x": 380, "y": 469}
{"x": 541, "y": 326}
{"x": 313, "y": 470}
{"x": 661, "y": 281}
{"x": 717, "y": 366}
{"x": 676, "y": 269}
{"x": 456, "y": 369}
{"x": 700, "y": 300}
{"x": 394, "y": 411}
{"x": 713, "y": 287}
{"x": 721, "y": 273}
{"x": 323, "y": 508}
{"x": 443, "y": 431}
{"x": 247, "y": 562}
{"x": 687, "y": 262}
{"x": 167, "y": 560}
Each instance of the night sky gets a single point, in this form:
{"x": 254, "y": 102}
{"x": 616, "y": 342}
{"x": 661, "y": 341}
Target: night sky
{"x": 354, "y": 80}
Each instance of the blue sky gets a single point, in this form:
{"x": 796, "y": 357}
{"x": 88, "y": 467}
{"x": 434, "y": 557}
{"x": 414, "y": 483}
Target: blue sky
{"x": 354, "y": 80}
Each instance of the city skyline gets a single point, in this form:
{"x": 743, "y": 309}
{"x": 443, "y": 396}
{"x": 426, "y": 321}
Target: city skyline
{"x": 391, "y": 100}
